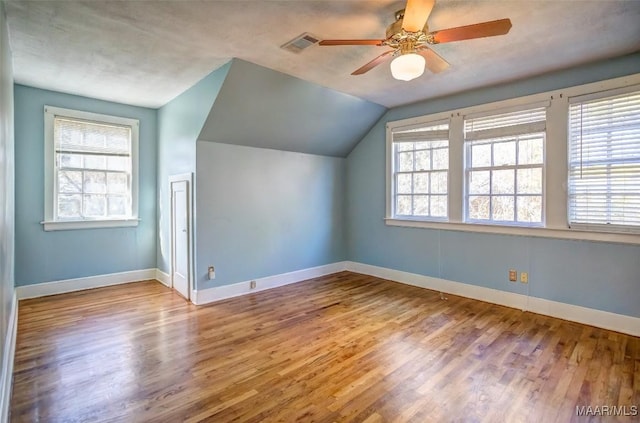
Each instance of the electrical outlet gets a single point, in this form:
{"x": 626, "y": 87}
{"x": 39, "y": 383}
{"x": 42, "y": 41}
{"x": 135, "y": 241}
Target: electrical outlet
{"x": 252, "y": 285}
{"x": 524, "y": 277}
{"x": 211, "y": 272}
{"x": 513, "y": 275}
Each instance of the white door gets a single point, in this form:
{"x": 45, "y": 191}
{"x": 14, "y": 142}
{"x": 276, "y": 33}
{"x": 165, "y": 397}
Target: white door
{"x": 180, "y": 237}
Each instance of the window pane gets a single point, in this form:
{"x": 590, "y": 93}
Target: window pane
{"x": 118, "y": 205}
{"x": 95, "y": 162}
{"x": 66, "y": 160}
{"x": 439, "y": 182}
{"x": 67, "y": 135}
{"x": 440, "y": 158}
{"x": 421, "y": 205}
{"x": 403, "y": 205}
{"x": 404, "y": 146}
{"x": 504, "y": 153}
{"x": 405, "y": 162}
{"x": 503, "y": 208}
{"x": 94, "y": 205}
{"x": 479, "y": 207}
{"x": 423, "y": 160}
{"x": 530, "y": 209}
{"x": 95, "y": 182}
{"x": 69, "y": 181}
{"x": 118, "y": 163}
{"x": 479, "y": 182}
{"x": 439, "y": 205}
{"x": 117, "y": 183}
{"x": 69, "y": 206}
{"x": 421, "y": 183}
{"x": 530, "y": 181}
{"x": 480, "y": 155}
{"x": 531, "y": 150}
{"x": 503, "y": 182}
{"x": 404, "y": 183}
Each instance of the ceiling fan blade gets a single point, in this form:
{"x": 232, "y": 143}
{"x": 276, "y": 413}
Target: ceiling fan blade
{"x": 375, "y": 62}
{"x": 351, "y": 42}
{"x": 485, "y": 29}
{"x": 435, "y": 63}
{"x": 416, "y": 14}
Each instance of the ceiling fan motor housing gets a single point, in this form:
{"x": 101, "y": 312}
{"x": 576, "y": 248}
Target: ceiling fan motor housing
{"x": 396, "y": 27}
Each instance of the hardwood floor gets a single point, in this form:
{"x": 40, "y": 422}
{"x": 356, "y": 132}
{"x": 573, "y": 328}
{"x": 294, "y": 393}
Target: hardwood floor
{"x": 345, "y": 347}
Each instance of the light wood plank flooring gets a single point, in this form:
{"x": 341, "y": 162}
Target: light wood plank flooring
{"x": 345, "y": 347}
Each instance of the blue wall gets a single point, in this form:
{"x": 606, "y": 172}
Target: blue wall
{"x": 263, "y": 212}
{"x": 7, "y": 213}
{"x": 282, "y": 112}
{"x": 179, "y": 123}
{"x": 50, "y": 256}
{"x": 603, "y": 276}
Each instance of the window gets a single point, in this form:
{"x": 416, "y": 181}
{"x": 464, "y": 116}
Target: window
{"x": 604, "y": 161}
{"x": 558, "y": 164}
{"x": 91, "y": 170}
{"x": 420, "y": 171}
{"x": 504, "y": 167}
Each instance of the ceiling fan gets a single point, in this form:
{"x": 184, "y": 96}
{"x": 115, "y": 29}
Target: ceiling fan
{"x": 409, "y": 38}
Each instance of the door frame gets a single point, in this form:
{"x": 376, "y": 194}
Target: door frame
{"x": 188, "y": 178}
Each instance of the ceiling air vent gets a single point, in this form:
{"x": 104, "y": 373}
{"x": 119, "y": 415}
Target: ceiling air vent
{"x": 301, "y": 42}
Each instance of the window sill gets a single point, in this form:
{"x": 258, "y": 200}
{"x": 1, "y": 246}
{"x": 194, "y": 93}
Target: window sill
{"x": 559, "y": 233}
{"x": 89, "y": 224}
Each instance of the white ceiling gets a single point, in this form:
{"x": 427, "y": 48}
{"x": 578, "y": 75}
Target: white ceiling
{"x": 147, "y": 52}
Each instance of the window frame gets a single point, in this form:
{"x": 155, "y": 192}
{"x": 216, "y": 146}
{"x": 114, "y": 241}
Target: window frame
{"x": 555, "y": 173}
{"x": 394, "y": 165}
{"x": 515, "y": 167}
{"x": 51, "y": 223}
{"x": 407, "y": 124}
{"x": 578, "y": 99}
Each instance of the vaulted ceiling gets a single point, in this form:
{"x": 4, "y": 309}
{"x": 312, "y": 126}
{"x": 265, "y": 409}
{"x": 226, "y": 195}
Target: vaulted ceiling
{"x": 147, "y": 52}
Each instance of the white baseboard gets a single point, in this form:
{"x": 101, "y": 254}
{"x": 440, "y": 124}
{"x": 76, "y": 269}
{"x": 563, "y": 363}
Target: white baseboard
{"x": 163, "y": 278}
{"x": 209, "y": 295}
{"x": 79, "y": 284}
{"x": 9, "y": 349}
{"x": 599, "y": 318}
{"x": 602, "y": 319}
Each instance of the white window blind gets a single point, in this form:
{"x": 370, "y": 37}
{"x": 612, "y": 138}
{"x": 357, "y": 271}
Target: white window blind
{"x": 420, "y": 172}
{"x": 505, "y": 124}
{"x": 93, "y": 170}
{"x": 604, "y": 162}
{"x": 504, "y": 167}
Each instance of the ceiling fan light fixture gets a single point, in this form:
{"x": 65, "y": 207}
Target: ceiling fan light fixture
{"x": 407, "y": 66}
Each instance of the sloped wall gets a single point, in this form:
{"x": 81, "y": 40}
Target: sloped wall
{"x": 260, "y": 107}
